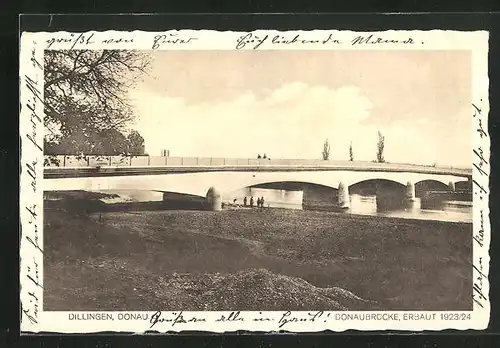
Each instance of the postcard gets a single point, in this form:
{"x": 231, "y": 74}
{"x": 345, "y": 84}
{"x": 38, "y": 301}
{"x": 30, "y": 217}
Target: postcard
{"x": 263, "y": 181}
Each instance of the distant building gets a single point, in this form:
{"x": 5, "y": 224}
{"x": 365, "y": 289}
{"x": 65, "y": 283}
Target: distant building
{"x": 165, "y": 153}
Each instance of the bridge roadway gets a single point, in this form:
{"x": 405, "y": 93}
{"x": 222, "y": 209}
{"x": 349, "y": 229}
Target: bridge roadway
{"x": 270, "y": 166}
{"x": 213, "y": 179}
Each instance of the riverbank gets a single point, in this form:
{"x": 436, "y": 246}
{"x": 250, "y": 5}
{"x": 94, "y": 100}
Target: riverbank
{"x": 268, "y": 259}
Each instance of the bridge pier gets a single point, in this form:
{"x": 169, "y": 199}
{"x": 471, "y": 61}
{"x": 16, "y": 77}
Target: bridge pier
{"x": 213, "y": 199}
{"x": 318, "y": 197}
{"x": 410, "y": 191}
{"x": 451, "y": 186}
{"x": 343, "y": 196}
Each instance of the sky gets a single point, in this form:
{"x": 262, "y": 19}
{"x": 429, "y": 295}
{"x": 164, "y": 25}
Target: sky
{"x": 287, "y": 103}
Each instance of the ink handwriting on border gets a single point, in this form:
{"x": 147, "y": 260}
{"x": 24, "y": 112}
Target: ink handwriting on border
{"x": 255, "y": 41}
{"x": 478, "y": 296}
{"x": 77, "y": 41}
{"x": 90, "y": 41}
{"x": 481, "y": 189}
{"x": 33, "y": 286}
{"x": 175, "y": 319}
{"x": 480, "y": 161}
{"x": 178, "y": 318}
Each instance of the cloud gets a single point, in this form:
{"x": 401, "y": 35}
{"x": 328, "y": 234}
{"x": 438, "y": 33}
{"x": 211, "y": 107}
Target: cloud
{"x": 287, "y": 93}
{"x": 291, "y": 121}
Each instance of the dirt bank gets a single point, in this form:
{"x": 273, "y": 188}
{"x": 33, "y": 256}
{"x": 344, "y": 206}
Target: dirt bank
{"x": 259, "y": 260}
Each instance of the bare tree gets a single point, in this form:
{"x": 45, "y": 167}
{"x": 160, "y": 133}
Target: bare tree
{"x": 326, "y": 150}
{"x": 86, "y": 91}
{"x": 380, "y": 148}
{"x": 351, "y": 154}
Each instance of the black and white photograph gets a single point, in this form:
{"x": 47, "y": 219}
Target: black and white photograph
{"x": 234, "y": 180}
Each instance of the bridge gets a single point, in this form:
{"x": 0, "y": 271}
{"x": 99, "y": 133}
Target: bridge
{"x": 214, "y": 178}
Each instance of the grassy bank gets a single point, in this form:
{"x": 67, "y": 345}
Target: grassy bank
{"x": 271, "y": 259}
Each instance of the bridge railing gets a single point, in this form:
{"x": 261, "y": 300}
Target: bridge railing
{"x": 74, "y": 161}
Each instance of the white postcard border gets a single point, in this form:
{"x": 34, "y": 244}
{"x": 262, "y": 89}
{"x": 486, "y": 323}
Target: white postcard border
{"x": 34, "y": 319}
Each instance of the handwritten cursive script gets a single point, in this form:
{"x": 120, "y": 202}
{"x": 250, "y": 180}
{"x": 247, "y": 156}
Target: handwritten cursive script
{"x": 175, "y": 318}
{"x": 256, "y": 41}
{"x": 478, "y": 296}
{"x": 233, "y": 316}
{"x": 481, "y": 190}
{"x": 171, "y": 39}
{"x": 372, "y": 40}
{"x": 287, "y": 318}
{"x": 89, "y": 40}
{"x": 32, "y": 159}
{"x": 31, "y": 104}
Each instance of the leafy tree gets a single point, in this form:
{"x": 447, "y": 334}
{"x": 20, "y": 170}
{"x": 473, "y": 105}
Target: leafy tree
{"x": 380, "y": 148}
{"x": 326, "y": 150}
{"x": 112, "y": 142}
{"x": 135, "y": 143}
{"x": 107, "y": 142}
{"x": 351, "y": 154}
{"x": 85, "y": 94}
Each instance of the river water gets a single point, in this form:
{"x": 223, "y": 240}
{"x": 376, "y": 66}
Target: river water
{"x": 454, "y": 211}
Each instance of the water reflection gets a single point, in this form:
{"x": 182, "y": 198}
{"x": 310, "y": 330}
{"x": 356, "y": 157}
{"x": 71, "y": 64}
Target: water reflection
{"x": 434, "y": 207}
{"x": 272, "y": 198}
{"x": 437, "y": 210}
{"x": 136, "y": 195}
{"x": 425, "y": 208}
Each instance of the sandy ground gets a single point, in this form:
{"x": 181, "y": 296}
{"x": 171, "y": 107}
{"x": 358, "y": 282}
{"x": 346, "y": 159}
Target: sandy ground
{"x": 270, "y": 259}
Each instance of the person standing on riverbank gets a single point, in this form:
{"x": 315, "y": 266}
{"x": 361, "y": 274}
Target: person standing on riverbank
{"x": 262, "y": 202}
{"x": 251, "y": 202}
{"x": 245, "y": 201}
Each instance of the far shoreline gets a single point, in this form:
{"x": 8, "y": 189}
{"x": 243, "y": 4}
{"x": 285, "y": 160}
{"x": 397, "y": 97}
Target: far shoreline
{"x": 95, "y": 202}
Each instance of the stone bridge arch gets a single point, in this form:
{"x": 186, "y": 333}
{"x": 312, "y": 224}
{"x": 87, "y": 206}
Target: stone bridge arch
{"x": 424, "y": 186}
{"x": 389, "y": 194}
{"x": 374, "y": 186}
{"x": 224, "y": 182}
{"x": 314, "y": 195}
{"x": 293, "y": 185}
{"x": 463, "y": 185}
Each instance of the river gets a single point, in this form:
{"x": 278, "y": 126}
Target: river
{"x": 454, "y": 211}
